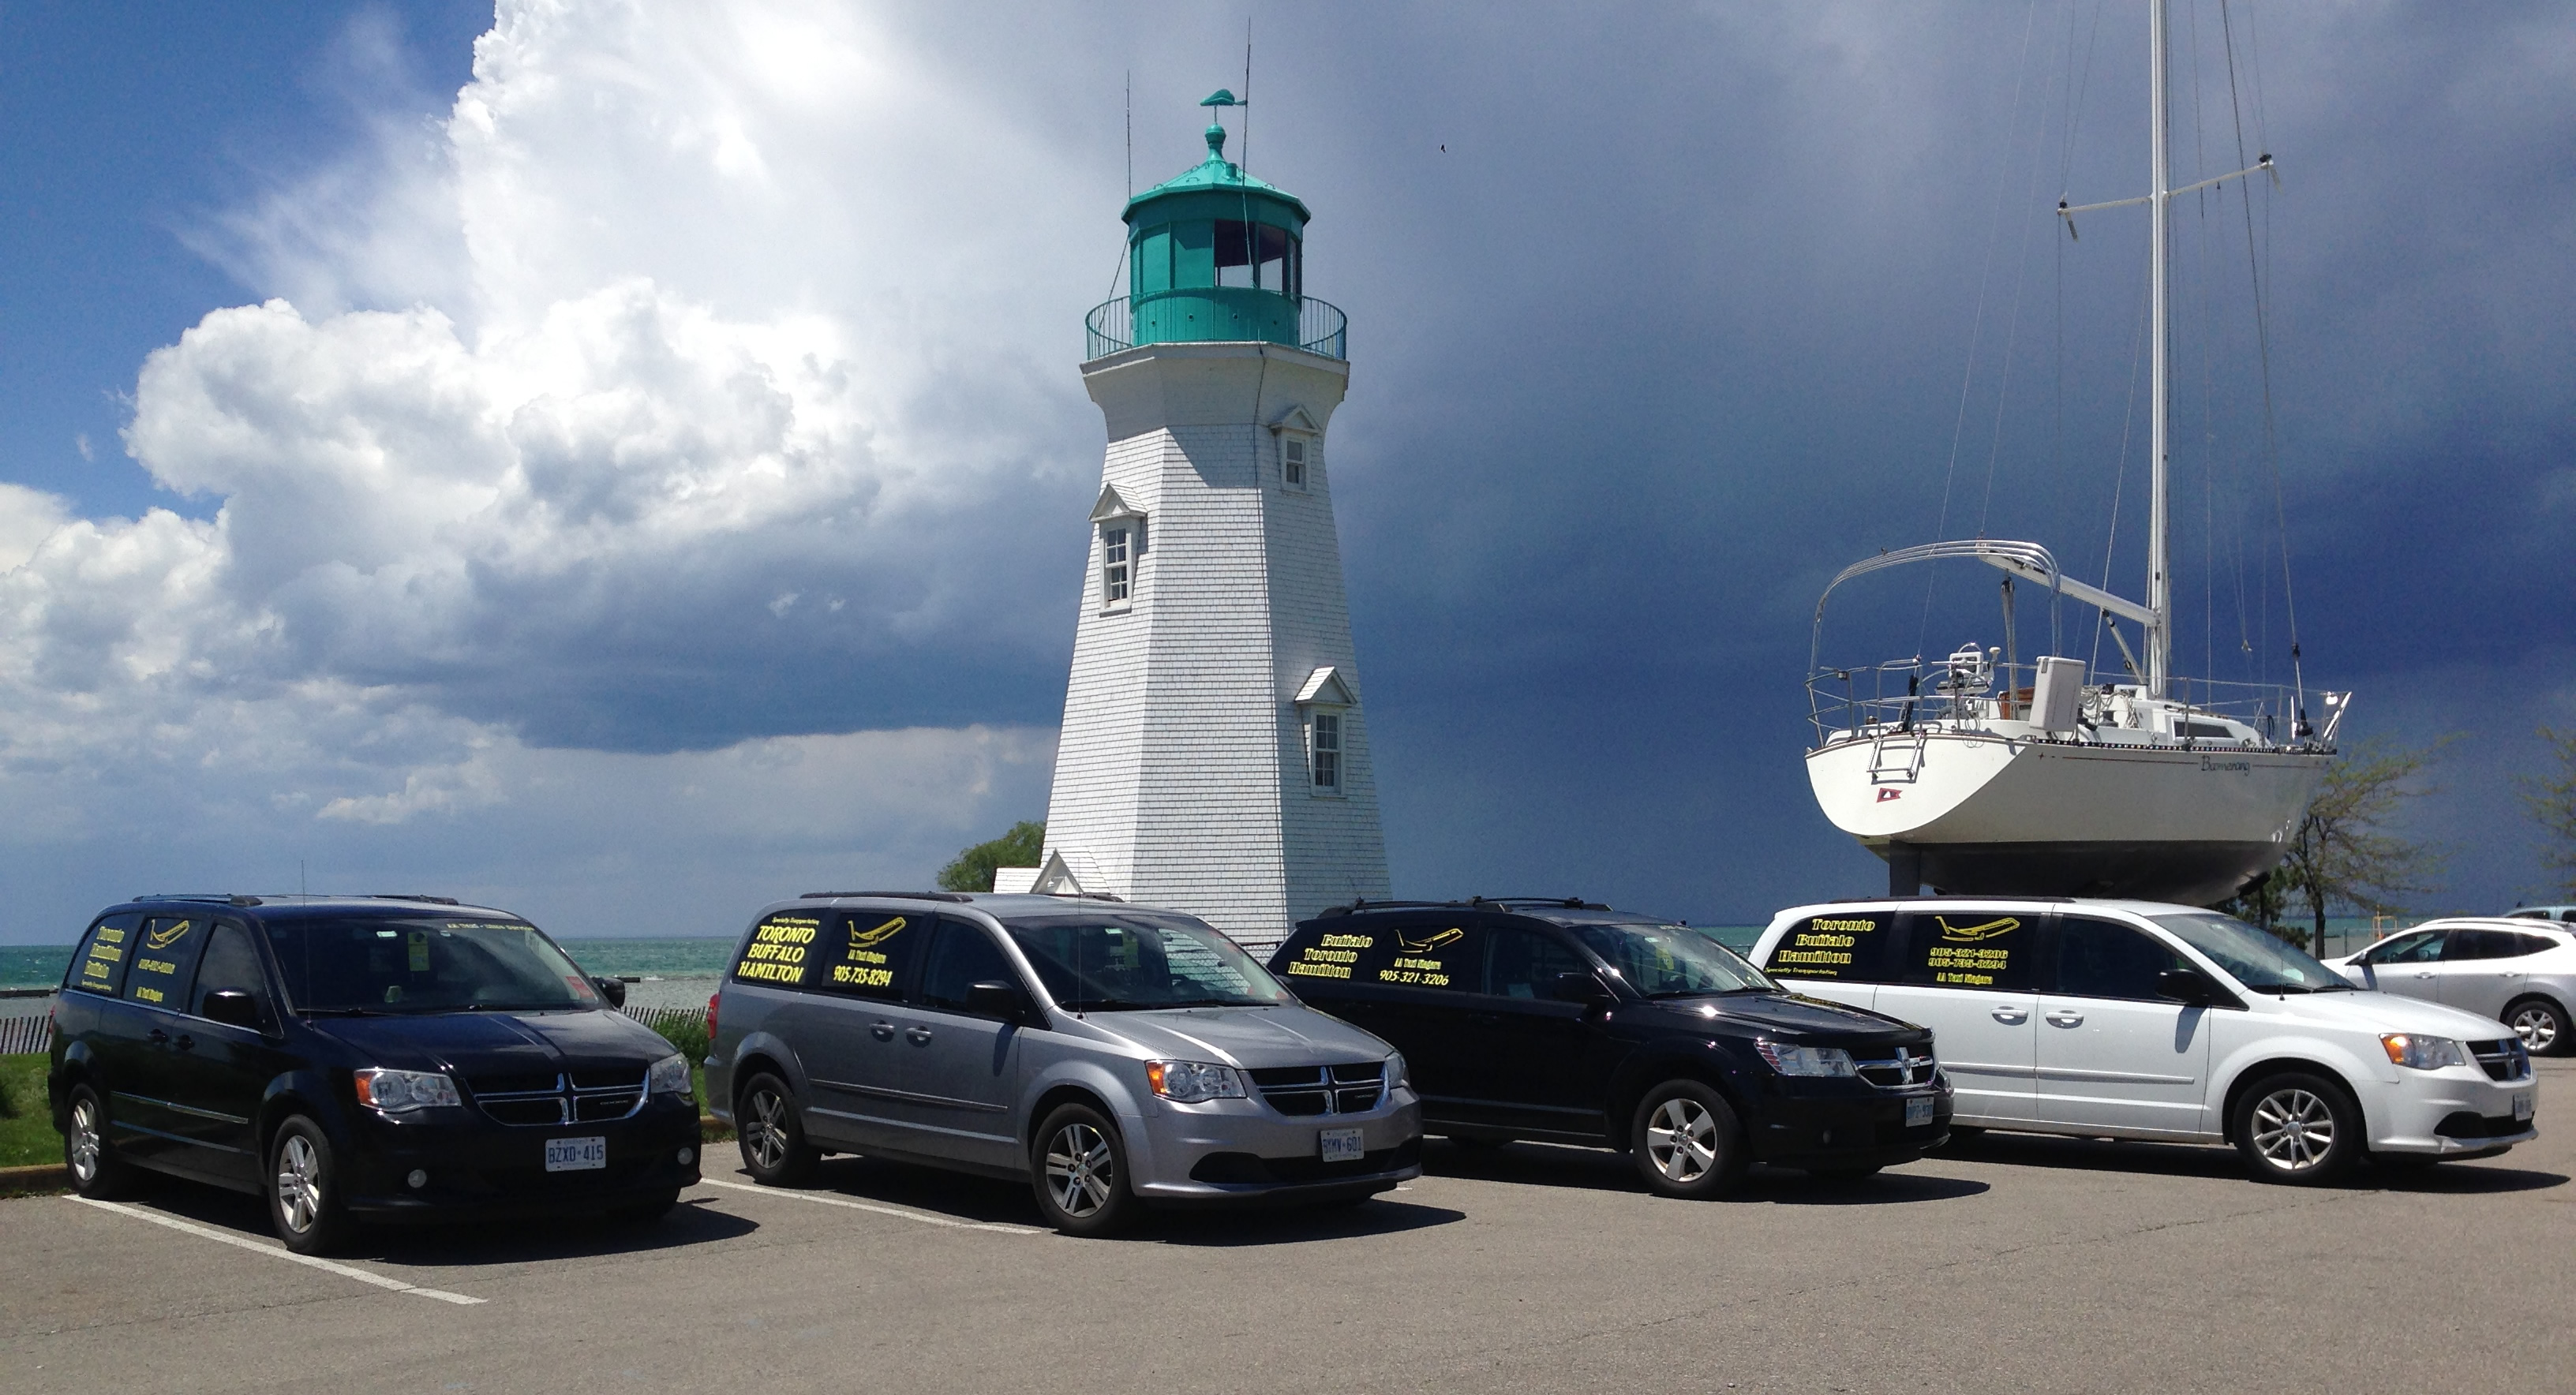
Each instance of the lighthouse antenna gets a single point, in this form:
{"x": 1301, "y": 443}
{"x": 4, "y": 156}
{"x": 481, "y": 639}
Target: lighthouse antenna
{"x": 1244, "y": 158}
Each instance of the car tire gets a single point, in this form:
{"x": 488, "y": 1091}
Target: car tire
{"x": 2299, "y": 1128}
{"x": 771, "y": 1137}
{"x": 2542, "y": 1025}
{"x": 1686, "y": 1141}
{"x": 304, "y": 1203}
{"x": 1078, "y": 1167}
{"x": 96, "y": 1171}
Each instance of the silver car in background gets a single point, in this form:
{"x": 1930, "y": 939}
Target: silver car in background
{"x": 1108, "y": 1054}
{"x": 2519, "y": 970}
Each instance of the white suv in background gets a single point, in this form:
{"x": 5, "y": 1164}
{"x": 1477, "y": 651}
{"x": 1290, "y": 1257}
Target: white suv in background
{"x": 2519, "y": 971}
{"x": 2132, "y": 1019}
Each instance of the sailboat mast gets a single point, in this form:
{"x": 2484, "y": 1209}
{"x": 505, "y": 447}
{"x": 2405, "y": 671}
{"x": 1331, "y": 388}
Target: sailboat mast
{"x": 2159, "y": 571}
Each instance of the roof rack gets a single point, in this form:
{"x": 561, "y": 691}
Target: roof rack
{"x": 224, "y": 898}
{"x": 410, "y": 896}
{"x": 1358, "y": 905}
{"x": 888, "y": 895}
{"x": 1563, "y": 903}
{"x": 1079, "y": 896}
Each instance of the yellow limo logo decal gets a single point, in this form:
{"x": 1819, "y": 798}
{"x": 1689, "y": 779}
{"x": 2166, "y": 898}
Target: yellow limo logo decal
{"x": 1331, "y": 957}
{"x": 777, "y": 950}
{"x": 1429, "y": 942}
{"x": 865, "y": 966}
{"x": 1970, "y": 934}
{"x": 168, "y": 935}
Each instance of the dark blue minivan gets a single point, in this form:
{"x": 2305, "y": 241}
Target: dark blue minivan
{"x": 361, "y": 1058}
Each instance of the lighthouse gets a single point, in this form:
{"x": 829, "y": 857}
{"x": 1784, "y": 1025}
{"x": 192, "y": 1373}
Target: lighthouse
{"x": 1215, "y": 752}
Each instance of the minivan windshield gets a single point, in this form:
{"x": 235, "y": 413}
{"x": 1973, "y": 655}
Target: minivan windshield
{"x": 2261, "y": 961}
{"x": 1672, "y": 961}
{"x": 369, "y": 965}
{"x": 1125, "y": 961}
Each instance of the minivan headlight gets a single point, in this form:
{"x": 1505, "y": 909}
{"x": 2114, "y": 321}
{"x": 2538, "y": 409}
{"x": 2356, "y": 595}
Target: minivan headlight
{"x": 671, "y": 1075}
{"x": 1806, "y": 1060}
{"x": 402, "y": 1091}
{"x": 2422, "y": 1053}
{"x": 1397, "y": 1077}
{"x": 1190, "y": 1082}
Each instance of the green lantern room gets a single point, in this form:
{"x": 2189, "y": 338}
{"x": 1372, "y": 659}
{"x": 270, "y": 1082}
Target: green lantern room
{"x": 1215, "y": 255}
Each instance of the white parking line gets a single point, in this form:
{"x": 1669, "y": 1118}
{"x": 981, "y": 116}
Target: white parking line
{"x": 895, "y": 1211}
{"x": 346, "y": 1271}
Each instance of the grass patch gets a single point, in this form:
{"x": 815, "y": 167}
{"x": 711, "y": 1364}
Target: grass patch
{"x": 27, "y": 1134}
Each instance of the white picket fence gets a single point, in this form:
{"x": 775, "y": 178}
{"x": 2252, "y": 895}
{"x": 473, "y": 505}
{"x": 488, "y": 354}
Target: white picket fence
{"x": 22, "y": 1035}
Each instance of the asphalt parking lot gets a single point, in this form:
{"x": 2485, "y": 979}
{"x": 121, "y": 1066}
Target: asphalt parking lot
{"x": 2015, "y": 1264}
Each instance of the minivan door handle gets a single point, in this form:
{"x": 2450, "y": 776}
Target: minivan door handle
{"x": 916, "y": 1035}
{"x": 158, "y": 1037}
{"x": 2011, "y": 1016}
{"x": 882, "y": 1031}
{"x": 2066, "y": 1017}
{"x": 187, "y": 1043}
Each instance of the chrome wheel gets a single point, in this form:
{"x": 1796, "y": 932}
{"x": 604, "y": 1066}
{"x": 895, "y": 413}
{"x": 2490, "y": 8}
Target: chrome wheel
{"x": 84, "y": 1152}
{"x": 299, "y": 1183}
{"x": 1681, "y": 1139}
{"x": 2293, "y": 1129}
{"x": 764, "y": 1134}
{"x": 1080, "y": 1171}
{"x": 2537, "y": 1025}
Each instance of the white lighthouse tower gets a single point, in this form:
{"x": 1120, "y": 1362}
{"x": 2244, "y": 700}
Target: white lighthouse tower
{"x": 1215, "y": 753}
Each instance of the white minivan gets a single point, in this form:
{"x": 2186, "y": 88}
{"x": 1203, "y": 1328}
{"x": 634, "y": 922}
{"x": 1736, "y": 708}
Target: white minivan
{"x": 2134, "y": 1019}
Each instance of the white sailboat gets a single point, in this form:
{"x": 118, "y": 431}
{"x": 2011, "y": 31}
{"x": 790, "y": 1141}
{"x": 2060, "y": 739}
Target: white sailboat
{"x": 1978, "y": 774}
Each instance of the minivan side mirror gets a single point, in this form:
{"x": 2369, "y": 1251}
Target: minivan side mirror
{"x": 232, "y": 1007}
{"x": 1580, "y": 988}
{"x": 614, "y": 990}
{"x": 2191, "y": 988}
{"x": 994, "y": 998}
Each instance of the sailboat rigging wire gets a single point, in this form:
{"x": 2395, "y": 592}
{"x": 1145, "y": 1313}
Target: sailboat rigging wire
{"x": 2120, "y": 473}
{"x": 1977, "y": 325}
{"x": 2263, "y": 337}
{"x": 2012, "y": 333}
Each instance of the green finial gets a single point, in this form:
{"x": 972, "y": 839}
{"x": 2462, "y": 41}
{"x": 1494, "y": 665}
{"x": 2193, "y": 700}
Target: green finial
{"x": 1216, "y": 141}
{"x": 1221, "y": 98}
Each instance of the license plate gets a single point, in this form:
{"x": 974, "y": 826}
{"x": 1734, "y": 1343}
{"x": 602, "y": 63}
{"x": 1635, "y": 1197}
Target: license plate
{"x": 2522, "y": 1107}
{"x": 1342, "y": 1145}
{"x": 575, "y": 1154}
{"x": 1918, "y": 1112}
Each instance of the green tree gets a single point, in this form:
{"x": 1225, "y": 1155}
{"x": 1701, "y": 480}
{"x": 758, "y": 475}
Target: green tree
{"x": 2344, "y": 853}
{"x": 2551, "y": 798}
{"x": 973, "y": 869}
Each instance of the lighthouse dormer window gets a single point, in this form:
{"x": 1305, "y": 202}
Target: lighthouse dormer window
{"x": 1292, "y": 461}
{"x": 1117, "y": 563}
{"x": 1325, "y": 738}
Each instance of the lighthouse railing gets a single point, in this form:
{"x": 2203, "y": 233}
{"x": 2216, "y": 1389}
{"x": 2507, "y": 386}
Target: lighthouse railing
{"x": 1322, "y": 328}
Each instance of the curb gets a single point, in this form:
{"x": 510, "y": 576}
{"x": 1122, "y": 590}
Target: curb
{"x": 43, "y": 1177}
{"x": 710, "y": 1130}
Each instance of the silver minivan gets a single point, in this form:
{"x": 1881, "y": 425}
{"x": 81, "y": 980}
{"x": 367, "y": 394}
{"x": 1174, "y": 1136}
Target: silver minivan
{"x": 1109, "y": 1054}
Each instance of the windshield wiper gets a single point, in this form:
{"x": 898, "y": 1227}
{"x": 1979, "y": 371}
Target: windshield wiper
{"x": 1105, "y": 1005}
{"x": 343, "y": 1012}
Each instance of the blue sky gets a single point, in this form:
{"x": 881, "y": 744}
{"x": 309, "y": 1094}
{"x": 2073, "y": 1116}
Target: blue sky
{"x": 638, "y": 470}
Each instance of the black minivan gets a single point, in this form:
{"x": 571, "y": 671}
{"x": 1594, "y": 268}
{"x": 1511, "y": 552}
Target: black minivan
{"x": 1570, "y": 1022}
{"x": 349, "y": 1058}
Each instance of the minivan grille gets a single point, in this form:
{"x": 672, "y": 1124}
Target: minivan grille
{"x": 1904, "y": 1068}
{"x": 585, "y": 1097}
{"x": 2508, "y": 1059}
{"x": 1302, "y": 1090}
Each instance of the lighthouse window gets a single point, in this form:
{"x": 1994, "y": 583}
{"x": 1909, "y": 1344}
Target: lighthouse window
{"x": 1256, "y": 255}
{"x": 1114, "y": 565}
{"x": 1292, "y": 462}
{"x": 1327, "y": 742}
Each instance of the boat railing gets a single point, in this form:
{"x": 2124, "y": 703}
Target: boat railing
{"x": 1967, "y": 691}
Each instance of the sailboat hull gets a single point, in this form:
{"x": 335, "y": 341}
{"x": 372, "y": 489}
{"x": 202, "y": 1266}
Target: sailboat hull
{"x": 1987, "y": 814}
